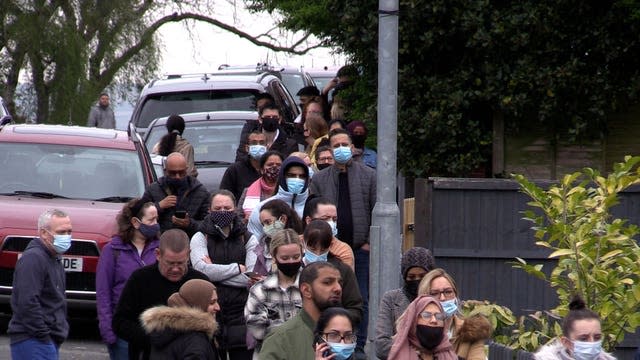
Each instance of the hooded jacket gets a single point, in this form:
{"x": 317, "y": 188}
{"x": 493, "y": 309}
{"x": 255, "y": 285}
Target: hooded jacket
{"x": 296, "y": 201}
{"x": 555, "y": 351}
{"x": 180, "y": 333}
{"x": 468, "y": 341}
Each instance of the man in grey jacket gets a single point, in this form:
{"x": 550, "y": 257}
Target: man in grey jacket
{"x": 39, "y": 324}
{"x": 351, "y": 185}
{"x": 102, "y": 115}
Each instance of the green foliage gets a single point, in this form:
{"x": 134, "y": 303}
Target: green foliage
{"x": 598, "y": 258}
{"x": 561, "y": 65}
{"x": 500, "y": 317}
{"x": 534, "y": 330}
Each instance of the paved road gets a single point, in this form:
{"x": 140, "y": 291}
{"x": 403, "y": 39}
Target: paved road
{"x": 83, "y": 343}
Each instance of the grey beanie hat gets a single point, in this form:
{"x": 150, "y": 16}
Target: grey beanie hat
{"x": 417, "y": 257}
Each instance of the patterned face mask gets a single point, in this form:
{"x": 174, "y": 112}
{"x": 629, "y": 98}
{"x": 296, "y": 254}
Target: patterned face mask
{"x": 271, "y": 173}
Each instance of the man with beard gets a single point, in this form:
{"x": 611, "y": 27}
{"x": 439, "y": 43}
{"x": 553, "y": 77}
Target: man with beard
{"x": 320, "y": 288}
{"x": 182, "y": 201}
{"x": 102, "y": 115}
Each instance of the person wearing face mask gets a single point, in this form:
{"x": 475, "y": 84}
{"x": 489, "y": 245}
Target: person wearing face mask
{"x": 184, "y": 329}
{"x": 265, "y": 186}
{"x": 467, "y": 335}
{"x": 132, "y": 248}
{"x": 324, "y": 157}
{"x": 415, "y": 264}
{"x": 270, "y": 124}
{"x": 421, "y": 333}
{"x": 319, "y": 208}
{"x": 276, "y": 298}
{"x": 293, "y": 189}
{"x": 581, "y": 337}
{"x": 182, "y": 201}
{"x": 317, "y": 238}
{"x": 38, "y": 324}
{"x": 222, "y": 250}
{"x": 335, "y": 335}
{"x": 350, "y": 185}
{"x": 244, "y": 172}
{"x": 358, "y": 132}
{"x": 275, "y": 215}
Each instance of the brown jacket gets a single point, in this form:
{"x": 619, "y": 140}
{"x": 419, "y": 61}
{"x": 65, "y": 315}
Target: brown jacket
{"x": 186, "y": 149}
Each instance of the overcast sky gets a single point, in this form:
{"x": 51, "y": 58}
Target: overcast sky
{"x": 206, "y": 47}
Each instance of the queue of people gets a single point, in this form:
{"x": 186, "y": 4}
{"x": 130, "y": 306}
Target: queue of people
{"x": 275, "y": 265}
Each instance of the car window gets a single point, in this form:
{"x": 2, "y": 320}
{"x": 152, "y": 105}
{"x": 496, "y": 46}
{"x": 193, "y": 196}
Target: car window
{"x": 212, "y": 141}
{"x": 293, "y": 82}
{"x": 288, "y": 107}
{"x": 161, "y": 105}
{"x": 70, "y": 171}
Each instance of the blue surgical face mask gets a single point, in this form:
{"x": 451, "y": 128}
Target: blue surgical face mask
{"x": 342, "y": 154}
{"x": 334, "y": 227}
{"x": 310, "y": 257}
{"x": 295, "y": 185}
{"x": 61, "y": 243}
{"x": 583, "y": 350}
{"x": 342, "y": 351}
{"x": 449, "y": 306}
{"x": 256, "y": 151}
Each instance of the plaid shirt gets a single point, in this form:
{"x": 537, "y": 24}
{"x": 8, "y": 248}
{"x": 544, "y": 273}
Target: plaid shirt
{"x": 269, "y": 305}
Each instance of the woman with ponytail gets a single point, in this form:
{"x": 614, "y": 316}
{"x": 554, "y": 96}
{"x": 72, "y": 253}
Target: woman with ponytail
{"x": 581, "y": 337}
{"x": 174, "y": 142}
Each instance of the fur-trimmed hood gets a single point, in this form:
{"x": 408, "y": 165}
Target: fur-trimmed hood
{"x": 165, "y": 323}
{"x": 474, "y": 328}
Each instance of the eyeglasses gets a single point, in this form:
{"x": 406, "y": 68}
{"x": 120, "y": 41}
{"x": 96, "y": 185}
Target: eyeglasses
{"x": 446, "y": 292}
{"x": 429, "y": 315}
{"x": 335, "y": 337}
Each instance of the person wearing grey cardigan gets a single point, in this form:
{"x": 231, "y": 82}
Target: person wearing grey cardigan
{"x": 415, "y": 264}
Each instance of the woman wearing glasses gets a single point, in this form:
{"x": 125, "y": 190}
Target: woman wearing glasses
{"x": 335, "y": 338}
{"x": 421, "y": 333}
{"x": 467, "y": 335}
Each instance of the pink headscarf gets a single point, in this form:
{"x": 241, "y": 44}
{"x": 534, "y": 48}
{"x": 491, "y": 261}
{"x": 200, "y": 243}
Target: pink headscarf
{"x": 406, "y": 344}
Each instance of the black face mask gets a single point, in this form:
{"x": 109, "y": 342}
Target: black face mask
{"x": 269, "y": 125}
{"x": 411, "y": 287}
{"x": 429, "y": 336}
{"x": 358, "y": 141}
{"x": 289, "y": 269}
{"x": 177, "y": 184}
{"x": 322, "y": 166}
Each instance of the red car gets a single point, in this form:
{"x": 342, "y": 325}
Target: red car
{"x": 88, "y": 173}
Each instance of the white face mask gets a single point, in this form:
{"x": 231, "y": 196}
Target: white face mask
{"x": 583, "y": 350}
{"x": 334, "y": 227}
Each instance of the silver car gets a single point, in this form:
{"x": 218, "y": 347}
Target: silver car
{"x": 214, "y": 136}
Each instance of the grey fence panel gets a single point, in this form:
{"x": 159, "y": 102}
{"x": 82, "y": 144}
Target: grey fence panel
{"x": 474, "y": 228}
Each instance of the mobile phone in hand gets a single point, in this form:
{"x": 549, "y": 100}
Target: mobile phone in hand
{"x": 320, "y": 340}
{"x": 180, "y": 214}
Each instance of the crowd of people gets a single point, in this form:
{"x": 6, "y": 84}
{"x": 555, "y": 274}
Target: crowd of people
{"x": 274, "y": 265}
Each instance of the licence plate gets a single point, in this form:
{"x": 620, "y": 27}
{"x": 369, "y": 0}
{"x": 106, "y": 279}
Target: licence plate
{"x": 72, "y": 264}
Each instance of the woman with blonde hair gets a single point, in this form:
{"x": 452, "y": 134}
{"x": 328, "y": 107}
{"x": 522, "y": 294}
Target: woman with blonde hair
{"x": 466, "y": 335}
{"x": 276, "y": 298}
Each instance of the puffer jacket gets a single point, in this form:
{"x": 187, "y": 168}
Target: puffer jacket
{"x": 555, "y": 351}
{"x": 469, "y": 338}
{"x": 180, "y": 333}
{"x": 362, "y": 193}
